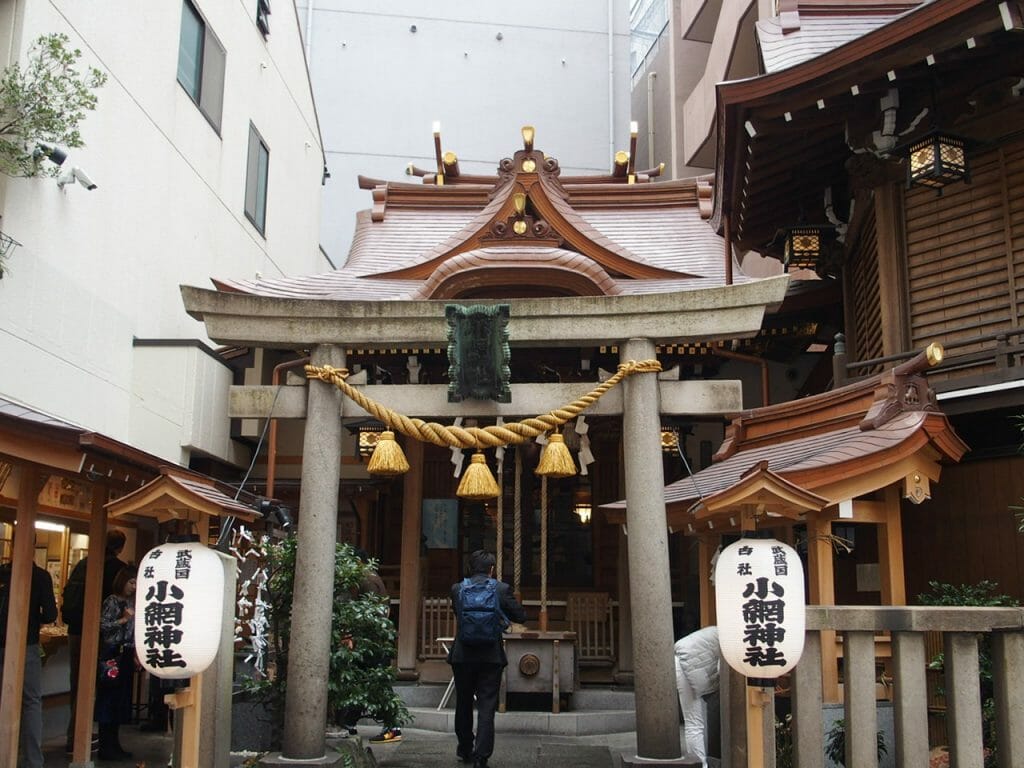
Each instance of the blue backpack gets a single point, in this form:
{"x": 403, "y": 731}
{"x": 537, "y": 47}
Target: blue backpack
{"x": 481, "y": 620}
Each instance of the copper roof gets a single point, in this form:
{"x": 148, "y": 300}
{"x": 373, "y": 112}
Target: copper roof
{"x": 520, "y": 227}
{"x": 180, "y": 494}
{"x": 816, "y": 28}
{"x": 812, "y": 442}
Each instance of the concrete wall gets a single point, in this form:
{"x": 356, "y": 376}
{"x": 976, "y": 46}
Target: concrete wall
{"x": 379, "y": 87}
{"x": 708, "y": 41}
{"x": 100, "y": 268}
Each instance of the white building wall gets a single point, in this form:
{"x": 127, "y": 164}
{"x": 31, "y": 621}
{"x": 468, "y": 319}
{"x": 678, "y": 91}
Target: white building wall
{"x": 379, "y": 87}
{"x": 99, "y": 268}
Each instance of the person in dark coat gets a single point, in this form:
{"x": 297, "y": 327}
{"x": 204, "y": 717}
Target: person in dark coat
{"x": 117, "y": 665}
{"x": 73, "y": 610}
{"x": 477, "y": 669}
{"x": 42, "y": 609}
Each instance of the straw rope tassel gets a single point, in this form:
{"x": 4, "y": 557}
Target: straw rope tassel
{"x": 492, "y": 436}
{"x": 388, "y": 458}
{"x": 556, "y": 461}
{"x": 478, "y": 484}
{"x": 543, "y": 554}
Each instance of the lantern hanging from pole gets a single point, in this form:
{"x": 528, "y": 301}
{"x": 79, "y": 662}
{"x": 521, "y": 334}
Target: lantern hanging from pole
{"x": 759, "y": 600}
{"x": 179, "y": 602}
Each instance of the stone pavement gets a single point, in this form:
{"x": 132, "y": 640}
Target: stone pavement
{"x": 430, "y": 749}
{"x": 418, "y": 749}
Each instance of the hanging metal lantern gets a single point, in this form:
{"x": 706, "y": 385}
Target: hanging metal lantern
{"x": 179, "y": 602}
{"x": 759, "y": 599}
{"x": 937, "y": 159}
{"x": 805, "y": 245}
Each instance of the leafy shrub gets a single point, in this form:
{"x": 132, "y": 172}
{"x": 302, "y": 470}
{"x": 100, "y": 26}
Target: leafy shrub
{"x": 835, "y": 743}
{"x": 362, "y": 640}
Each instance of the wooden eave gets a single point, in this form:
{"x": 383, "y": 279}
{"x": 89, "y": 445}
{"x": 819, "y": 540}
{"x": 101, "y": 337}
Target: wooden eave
{"x": 900, "y": 46}
{"x": 825, "y": 412}
{"x": 41, "y": 444}
{"x": 176, "y": 495}
{"x": 71, "y": 451}
{"x": 763, "y": 491}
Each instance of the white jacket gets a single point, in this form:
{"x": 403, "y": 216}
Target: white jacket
{"x": 699, "y": 655}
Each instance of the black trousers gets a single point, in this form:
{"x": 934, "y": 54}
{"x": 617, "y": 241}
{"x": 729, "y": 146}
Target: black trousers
{"x": 482, "y": 681}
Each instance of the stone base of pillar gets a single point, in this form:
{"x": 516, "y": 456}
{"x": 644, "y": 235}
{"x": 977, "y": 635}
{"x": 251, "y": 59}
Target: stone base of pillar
{"x": 331, "y": 759}
{"x": 635, "y": 760}
{"x": 406, "y": 675}
{"x": 623, "y": 678}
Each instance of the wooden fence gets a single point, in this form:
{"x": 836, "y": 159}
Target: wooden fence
{"x": 961, "y": 629}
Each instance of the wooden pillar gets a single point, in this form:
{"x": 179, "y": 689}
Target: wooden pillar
{"x": 624, "y": 672}
{"x": 892, "y": 298}
{"x": 706, "y": 546}
{"x": 90, "y": 643}
{"x": 29, "y": 484}
{"x": 409, "y": 595}
{"x": 890, "y": 550}
{"x": 822, "y": 591}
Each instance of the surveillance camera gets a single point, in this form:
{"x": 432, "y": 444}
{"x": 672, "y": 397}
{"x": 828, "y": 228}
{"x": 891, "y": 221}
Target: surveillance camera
{"x": 75, "y": 174}
{"x": 82, "y": 178}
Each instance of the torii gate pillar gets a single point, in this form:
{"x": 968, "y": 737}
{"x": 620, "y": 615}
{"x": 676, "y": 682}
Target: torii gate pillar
{"x": 650, "y": 590}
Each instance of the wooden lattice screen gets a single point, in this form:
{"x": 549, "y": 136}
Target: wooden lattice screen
{"x": 965, "y": 254}
{"x": 865, "y": 310}
{"x": 589, "y": 615}
{"x": 436, "y": 620}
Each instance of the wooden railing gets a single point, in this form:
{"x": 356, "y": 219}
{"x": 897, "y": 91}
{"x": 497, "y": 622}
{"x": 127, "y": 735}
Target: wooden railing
{"x": 591, "y": 615}
{"x": 987, "y": 359}
{"x": 961, "y": 629}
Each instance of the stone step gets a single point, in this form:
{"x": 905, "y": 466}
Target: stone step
{"x": 585, "y": 699}
{"x": 575, "y": 723}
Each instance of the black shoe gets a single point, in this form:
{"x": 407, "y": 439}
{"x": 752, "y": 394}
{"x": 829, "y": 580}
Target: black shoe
{"x": 465, "y": 755}
{"x": 387, "y": 736}
{"x": 479, "y": 762}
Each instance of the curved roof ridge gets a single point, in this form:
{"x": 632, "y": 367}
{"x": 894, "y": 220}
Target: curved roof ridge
{"x": 519, "y": 258}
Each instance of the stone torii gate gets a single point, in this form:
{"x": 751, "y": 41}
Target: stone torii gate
{"x": 635, "y": 323}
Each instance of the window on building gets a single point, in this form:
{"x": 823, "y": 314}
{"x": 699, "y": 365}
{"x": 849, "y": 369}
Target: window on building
{"x": 262, "y": 12}
{"x": 256, "y": 180}
{"x": 201, "y": 64}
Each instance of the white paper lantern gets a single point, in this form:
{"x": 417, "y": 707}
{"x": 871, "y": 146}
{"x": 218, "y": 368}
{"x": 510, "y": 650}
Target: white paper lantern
{"x": 759, "y": 598}
{"x": 179, "y": 603}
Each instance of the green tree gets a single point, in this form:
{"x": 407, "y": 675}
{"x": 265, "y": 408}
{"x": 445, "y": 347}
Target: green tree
{"x": 362, "y": 639}
{"x": 42, "y": 102}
